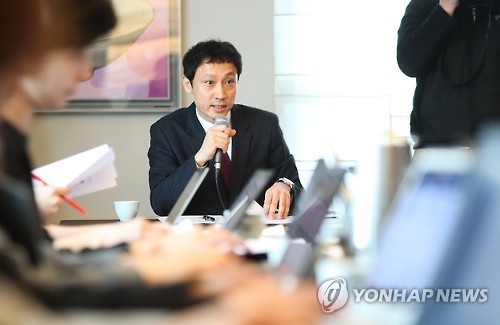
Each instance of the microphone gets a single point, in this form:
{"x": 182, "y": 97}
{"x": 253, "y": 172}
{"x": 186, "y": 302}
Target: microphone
{"x": 219, "y": 120}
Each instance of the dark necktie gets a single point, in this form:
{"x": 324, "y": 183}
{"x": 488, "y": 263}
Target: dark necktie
{"x": 225, "y": 170}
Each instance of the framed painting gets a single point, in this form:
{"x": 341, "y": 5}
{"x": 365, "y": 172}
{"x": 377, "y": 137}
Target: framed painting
{"x": 136, "y": 66}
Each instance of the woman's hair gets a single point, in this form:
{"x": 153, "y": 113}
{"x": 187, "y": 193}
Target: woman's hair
{"x": 20, "y": 31}
{"x": 28, "y": 28}
{"x": 211, "y": 51}
{"x": 84, "y": 21}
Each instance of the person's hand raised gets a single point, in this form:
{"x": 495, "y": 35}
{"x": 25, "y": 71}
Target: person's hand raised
{"x": 217, "y": 136}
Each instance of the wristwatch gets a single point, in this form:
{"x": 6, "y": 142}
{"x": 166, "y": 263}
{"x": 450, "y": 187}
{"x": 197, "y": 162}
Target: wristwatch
{"x": 287, "y": 182}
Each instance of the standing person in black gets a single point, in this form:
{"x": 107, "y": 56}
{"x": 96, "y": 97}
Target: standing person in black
{"x": 452, "y": 48}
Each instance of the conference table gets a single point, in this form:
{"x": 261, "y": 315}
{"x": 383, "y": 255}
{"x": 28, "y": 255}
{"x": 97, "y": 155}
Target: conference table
{"x": 194, "y": 219}
{"x": 332, "y": 263}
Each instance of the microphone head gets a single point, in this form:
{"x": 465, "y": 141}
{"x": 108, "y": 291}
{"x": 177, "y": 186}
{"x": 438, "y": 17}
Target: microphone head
{"x": 221, "y": 120}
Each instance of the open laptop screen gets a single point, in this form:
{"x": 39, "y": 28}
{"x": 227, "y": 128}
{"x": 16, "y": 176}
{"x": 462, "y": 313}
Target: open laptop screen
{"x": 315, "y": 201}
{"x": 471, "y": 262}
{"x": 297, "y": 260}
{"x": 187, "y": 194}
{"x": 233, "y": 217}
{"x": 421, "y": 221}
{"x": 471, "y": 265}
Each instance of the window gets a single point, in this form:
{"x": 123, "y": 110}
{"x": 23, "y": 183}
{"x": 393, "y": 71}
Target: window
{"x": 337, "y": 84}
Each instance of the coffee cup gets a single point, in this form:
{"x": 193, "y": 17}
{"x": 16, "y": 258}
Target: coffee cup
{"x": 126, "y": 210}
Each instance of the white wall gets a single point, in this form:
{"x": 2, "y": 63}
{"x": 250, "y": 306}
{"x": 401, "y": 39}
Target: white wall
{"x": 247, "y": 24}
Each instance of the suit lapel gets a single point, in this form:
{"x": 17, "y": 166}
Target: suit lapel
{"x": 194, "y": 129}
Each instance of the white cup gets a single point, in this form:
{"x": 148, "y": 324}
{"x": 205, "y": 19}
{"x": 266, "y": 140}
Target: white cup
{"x": 126, "y": 210}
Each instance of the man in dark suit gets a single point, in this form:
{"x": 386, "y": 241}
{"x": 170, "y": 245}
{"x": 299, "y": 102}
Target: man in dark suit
{"x": 187, "y": 139}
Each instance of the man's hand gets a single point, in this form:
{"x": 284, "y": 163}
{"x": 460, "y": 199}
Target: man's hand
{"x": 277, "y": 197}
{"x": 449, "y": 5}
{"x": 217, "y": 137}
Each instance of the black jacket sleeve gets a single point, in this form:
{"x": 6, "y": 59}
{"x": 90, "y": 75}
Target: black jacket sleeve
{"x": 167, "y": 175}
{"x": 422, "y": 36}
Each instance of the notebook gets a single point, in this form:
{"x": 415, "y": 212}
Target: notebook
{"x": 186, "y": 196}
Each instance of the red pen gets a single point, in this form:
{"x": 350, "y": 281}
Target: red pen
{"x": 64, "y": 197}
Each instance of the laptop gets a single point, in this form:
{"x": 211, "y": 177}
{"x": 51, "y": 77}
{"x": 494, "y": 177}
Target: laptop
{"x": 234, "y": 216}
{"x": 471, "y": 259}
{"x": 298, "y": 260}
{"x": 186, "y": 196}
{"x": 314, "y": 203}
{"x": 422, "y": 219}
{"x": 312, "y": 208}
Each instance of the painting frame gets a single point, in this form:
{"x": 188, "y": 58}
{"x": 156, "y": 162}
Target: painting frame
{"x": 166, "y": 49}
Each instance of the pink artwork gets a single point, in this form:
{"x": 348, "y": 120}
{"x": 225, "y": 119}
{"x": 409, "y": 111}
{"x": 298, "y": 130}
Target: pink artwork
{"x": 136, "y": 58}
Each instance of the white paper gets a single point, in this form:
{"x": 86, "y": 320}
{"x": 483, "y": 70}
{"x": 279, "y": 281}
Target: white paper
{"x": 86, "y": 172}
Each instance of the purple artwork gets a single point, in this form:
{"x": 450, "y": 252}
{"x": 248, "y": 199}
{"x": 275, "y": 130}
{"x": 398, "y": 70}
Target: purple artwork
{"x": 135, "y": 55}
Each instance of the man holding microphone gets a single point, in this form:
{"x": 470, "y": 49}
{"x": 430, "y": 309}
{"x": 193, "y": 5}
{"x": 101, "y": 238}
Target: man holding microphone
{"x": 188, "y": 139}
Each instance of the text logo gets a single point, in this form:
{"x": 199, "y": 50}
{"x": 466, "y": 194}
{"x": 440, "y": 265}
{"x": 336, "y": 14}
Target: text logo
{"x": 333, "y": 294}
{"x": 455, "y": 295}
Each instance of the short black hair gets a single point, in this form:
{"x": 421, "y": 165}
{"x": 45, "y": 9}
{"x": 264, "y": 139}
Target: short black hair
{"x": 210, "y": 51}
